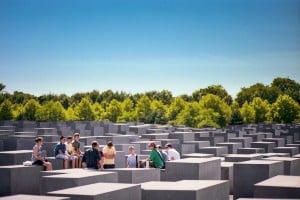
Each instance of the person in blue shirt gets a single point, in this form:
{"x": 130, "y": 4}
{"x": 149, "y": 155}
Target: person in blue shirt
{"x": 60, "y": 151}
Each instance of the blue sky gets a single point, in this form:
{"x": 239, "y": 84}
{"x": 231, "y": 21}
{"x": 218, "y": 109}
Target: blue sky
{"x": 136, "y": 46}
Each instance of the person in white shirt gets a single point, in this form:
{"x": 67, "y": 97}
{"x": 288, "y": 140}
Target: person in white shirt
{"x": 171, "y": 152}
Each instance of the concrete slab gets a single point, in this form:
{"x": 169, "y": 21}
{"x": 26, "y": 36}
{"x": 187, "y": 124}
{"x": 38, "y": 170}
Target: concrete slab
{"x": 279, "y": 142}
{"x": 267, "y": 146}
{"x": 197, "y": 155}
{"x": 227, "y": 173}
{"x": 231, "y": 146}
{"x": 217, "y": 151}
{"x": 242, "y": 157}
{"x": 244, "y": 140}
{"x": 32, "y": 197}
{"x": 187, "y": 189}
{"x": 193, "y": 169}
{"x": 98, "y": 191}
{"x": 291, "y": 150}
{"x": 248, "y": 173}
{"x": 69, "y": 180}
{"x": 291, "y": 165}
{"x": 14, "y": 157}
{"x": 136, "y": 175}
{"x": 278, "y": 187}
{"x": 15, "y": 179}
{"x": 250, "y": 150}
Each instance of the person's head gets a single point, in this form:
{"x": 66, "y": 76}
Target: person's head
{"x": 168, "y": 146}
{"x": 110, "y": 144}
{"x": 95, "y": 145}
{"x": 62, "y": 139}
{"x": 69, "y": 139}
{"x": 39, "y": 141}
{"x": 131, "y": 149}
{"x": 76, "y": 136}
{"x": 152, "y": 145}
{"x": 159, "y": 147}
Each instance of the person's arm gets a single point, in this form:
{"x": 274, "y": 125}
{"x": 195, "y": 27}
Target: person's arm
{"x": 36, "y": 153}
{"x": 83, "y": 163}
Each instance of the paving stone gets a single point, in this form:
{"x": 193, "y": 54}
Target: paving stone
{"x": 198, "y": 169}
{"x": 244, "y": 140}
{"x": 291, "y": 150}
{"x": 291, "y": 165}
{"x": 187, "y": 189}
{"x": 278, "y": 187}
{"x": 14, "y": 157}
{"x": 231, "y": 146}
{"x": 268, "y": 146}
{"x": 69, "y": 180}
{"x": 136, "y": 175}
{"x": 19, "y": 179}
{"x": 242, "y": 157}
{"x": 98, "y": 191}
{"x": 32, "y": 197}
{"x": 248, "y": 173}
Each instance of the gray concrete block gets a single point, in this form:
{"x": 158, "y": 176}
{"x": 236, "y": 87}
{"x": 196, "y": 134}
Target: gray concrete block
{"x": 197, "y": 155}
{"x": 231, "y": 146}
{"x": 217, "y": 151}
{"x": 187, "y": 189}
{"x": 193, "y": 169}
{"x": 32, "y": 197}
{"x": 267, "y": 155}
{"x": 291, "y": 150}
{"x": 291, "y": 165}
{"x": 136, "y": 175}
{"x": 15, "y": 142}
{"x": 278, "y": 141}
{"x": 198, "y": 144}
{"x": 278, "y": 187}
{"x": 144, "y": 144}
{"x": 163, "y": 142}
{"x": 248, "y": 173}
{"x": 119, "y": 160}
{"x": 293, "y": 145}
{"x": 267, "y": 146}
{"x": 250, "y": 150}
{"x": 244, "y": 140}
{"x": 69, "y": 180}
{"x": 155, "y": 136}
{"x": 15, "y": 157}
{"x": 227, "y": 173}
{"x": 19, "y": 179}
{"x": 46, "y": 131}
{"x": 255, "y": 137}
{"x": 98, "y": 191}
{"x": 242, "y": 157}
{"x": 124, "y": 147}
{"x": 57, "y": 164}
{"x": 182, "y": 136}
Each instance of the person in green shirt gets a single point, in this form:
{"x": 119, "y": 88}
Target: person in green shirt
{"x": 155, "y": 157}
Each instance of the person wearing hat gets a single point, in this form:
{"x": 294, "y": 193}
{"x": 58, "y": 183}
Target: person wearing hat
{"x": 171, "y": 152}
{"x": 155, "y": 158}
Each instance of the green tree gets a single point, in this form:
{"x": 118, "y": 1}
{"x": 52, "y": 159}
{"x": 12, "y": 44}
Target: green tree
{"x": 217, "y": 90}
{"x": 84, "y": 110}
{"x": 143, "y": 109}
{"x": 174, "y": 109}
{"x": 50, "y": 111}
{"x": 113, "y": 111}
{"x": 236, "y": 116}
{"x": 6, "y": 112}
{"x": 261, "y": 108}
{"x": 189, "y": 115}
{"x": 2, "y": 86}
{"x": 288, "y": 87}
{"x": 70, "y": 114}
{"x": 216, "y": 104}
{"x": 158, "y": 113}
{"x": 247, "y": 113}
{"x": 29, "y": 110}
{"x": 208, "y": 118}
{"x": 128, "y": 114}
{"x": 284, "y": 110}
{"x": 98, "y": 111}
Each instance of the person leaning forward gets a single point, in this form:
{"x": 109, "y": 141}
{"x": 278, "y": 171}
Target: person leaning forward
{"x": 155, "y": 157}
{"x": 92, "y": 158}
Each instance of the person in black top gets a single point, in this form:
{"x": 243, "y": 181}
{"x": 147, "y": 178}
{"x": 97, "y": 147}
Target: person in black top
{"x": 92, "y": 157}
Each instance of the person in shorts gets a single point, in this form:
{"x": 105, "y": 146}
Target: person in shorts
{"x": 60, "y": 151}
{"x": 109, "y": 154}
{"x": 76, "y": 149}
{"x": 37, "y": 155}
{"x": 73, "y": 156}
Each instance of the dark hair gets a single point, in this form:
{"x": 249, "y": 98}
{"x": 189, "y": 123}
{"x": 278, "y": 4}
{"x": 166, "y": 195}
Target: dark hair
{"x": 62, "y": 137}
{"x": 169, "y": 145}
{"x": 38, "y": 139}
{"x": 94, "y": 144}
{"x": 110, "y": 144}
{"x": 152, "y": 144}
{"x": 69, "y": 137}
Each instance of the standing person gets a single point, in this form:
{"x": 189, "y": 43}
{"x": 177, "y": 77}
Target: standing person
{"x": 37, "y": 155}
{"x": 60, "y": 151}
{"x": 132, "y": 158}
{"x": 72, "y": 155}
{"x": 155, "y": 158}
{"x": 76, "y": 149}
{"x": 109, "y": 154}
{"x": 172, "y": 153}
{"x": 92, "y": 158}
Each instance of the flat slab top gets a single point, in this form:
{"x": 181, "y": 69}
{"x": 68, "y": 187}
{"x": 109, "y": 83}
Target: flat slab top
{"x": 228, "y": 143}
{"x": 17, "y": 152}
{"x": 274, "y": 154}
{"x": 191, "y": 185}
{"x": 93, "y": 189}
{"x": 282, "y": 158}
{"x": 82, "y": 174}
{"x": 254, "y": 155}
{"x": 31, "y": 197}
{"x": 194, "y": 160}
{"x": 281, "y": 181}
{"x": 17, "y": 166}
{"x": 198, "y": 155}
{"x": 262, "y": 142}
{"x": 227, "y": 164}
{"x": 258, "y": 162}
{"x": 286, "y": 148}
{"x": 132, "y": 169}
{"x": 219, "y": 147}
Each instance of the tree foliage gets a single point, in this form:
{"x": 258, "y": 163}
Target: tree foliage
{"x": 84, "y": 111}
{"x": 6, "y": 112}
{"x": 50, "y": 111}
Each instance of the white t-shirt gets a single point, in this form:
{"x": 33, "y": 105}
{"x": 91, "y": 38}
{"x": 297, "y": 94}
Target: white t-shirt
{"x": 173, "y": 154}
{"x": 131, "y": 160}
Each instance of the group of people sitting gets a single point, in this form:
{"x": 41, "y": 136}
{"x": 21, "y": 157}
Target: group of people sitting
{"x": 68, "y": 149}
